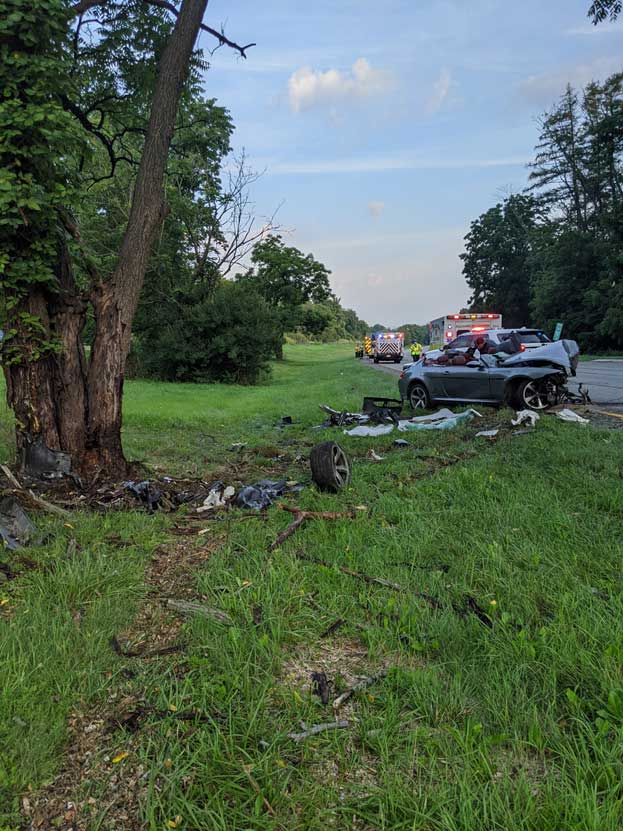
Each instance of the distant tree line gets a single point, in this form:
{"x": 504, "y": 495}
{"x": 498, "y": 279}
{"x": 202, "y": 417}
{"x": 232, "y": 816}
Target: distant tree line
{"x": 555, "y": 252}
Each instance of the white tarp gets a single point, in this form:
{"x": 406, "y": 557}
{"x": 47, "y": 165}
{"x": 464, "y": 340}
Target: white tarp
{"x": 570, "y": 415}
{"x": 443, "y": 419}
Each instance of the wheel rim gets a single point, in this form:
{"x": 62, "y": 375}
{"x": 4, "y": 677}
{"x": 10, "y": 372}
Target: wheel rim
{"x": 418, "y": 398}
{"x": 534, "y": 398}
{"x": 340, "y": 466}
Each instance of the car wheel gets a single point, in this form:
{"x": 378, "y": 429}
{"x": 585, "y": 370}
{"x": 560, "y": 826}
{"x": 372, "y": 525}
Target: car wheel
{"x": 419, "y": 399}
{"x": 330, "y": 467}
{"x": 531, "y": 395}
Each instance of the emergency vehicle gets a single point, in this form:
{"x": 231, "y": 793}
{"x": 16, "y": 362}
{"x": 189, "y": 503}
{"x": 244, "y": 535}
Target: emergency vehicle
{"x": 388, "y": 346}
{"x": 445, "y": 329}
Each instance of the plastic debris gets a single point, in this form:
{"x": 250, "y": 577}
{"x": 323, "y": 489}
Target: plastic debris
{"x": 525, "y": 417}
{"x": 382, "y": 410}
{"x": 262, "y": 494}
{"x": 572, "y": 417}
{"x": 443, "y": 419}
{"x": 375, "y": 456}
{"x": 39, "y": 462}
{"x": 16, "y": 528}
{"x": 218, "y": 497}
{"x": 363, "y": 431}
{"x": 238, "y": 445}
{"x": 285, "y": 421}
{"x": 401, "y": 443}
{"x": 144, "y": 491}
{"x": 487, "y": 434}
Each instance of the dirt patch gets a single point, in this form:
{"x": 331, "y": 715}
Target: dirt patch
{"x": 91, "y": 757}
{"x": 98, "y": 753}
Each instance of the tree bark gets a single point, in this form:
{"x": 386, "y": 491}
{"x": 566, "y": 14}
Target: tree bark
{"x": 115, "y": 301}
{"x": 48, "y": 395}
{"x": 55, "y": 397}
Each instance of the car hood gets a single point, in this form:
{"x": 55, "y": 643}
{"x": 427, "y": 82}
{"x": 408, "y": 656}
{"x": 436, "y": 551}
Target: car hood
{"x": 563, "y": 353}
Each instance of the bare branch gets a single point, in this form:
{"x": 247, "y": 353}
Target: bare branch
{"x": 220, "y": 36}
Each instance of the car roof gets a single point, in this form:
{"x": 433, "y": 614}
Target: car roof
{"x": 522, "y": 331}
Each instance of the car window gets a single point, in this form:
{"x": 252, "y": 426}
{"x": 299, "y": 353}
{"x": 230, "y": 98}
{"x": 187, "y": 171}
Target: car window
{"x": 459, "y": 343}
{"x": 532, "y": 337}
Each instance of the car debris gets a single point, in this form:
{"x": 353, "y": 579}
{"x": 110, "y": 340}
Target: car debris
{"x": 372, "y": 454}
{"x": 16, "y": 528}
{"x": 443, "y": 419}
{"x": 401, "y": 443}
{"x": 144, "y": 492}
{"x": 528, "y": 417}
{"x": 262, "y": 494}
{"x": 218, "y": 497}
{"x": 363, "y": 432}
{"x": 330, "y": 466}
{"x": 340, "y": 419}
{"x": 487, "y": 434}
{"x": 40, "y": 462}
{"x": 382, "y": 410}
{"x": 571, "y": 416}
{"x": 238, "y": 445}
{"x": 285, "y": 421}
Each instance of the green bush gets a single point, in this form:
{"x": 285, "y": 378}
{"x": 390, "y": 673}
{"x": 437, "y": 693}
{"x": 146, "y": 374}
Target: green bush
{"x": 228, "y": 336}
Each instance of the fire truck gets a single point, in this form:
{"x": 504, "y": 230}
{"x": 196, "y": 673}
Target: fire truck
{"x": 446, "y": 329}
{"x": 386, "y": 346}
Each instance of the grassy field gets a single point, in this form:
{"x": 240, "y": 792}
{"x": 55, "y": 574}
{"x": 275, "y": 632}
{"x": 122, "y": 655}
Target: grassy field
{"x": 496, "y": 654}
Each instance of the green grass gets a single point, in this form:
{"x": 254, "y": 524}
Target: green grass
{"x": 517, "y": 725}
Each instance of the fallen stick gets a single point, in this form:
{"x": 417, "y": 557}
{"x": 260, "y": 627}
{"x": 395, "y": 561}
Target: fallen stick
{"x": 318, "y": 728}
{"x": 38, "y": 500}
{"x": 301, "y": 516}
{"x": 358, "y": 574}
{"x": 360, "y": 685}
{"x": 186, "y": 607}
{"x": 427, "y": 598}
{"x": 334, "y": 626}
{"x": 137, "y": 653}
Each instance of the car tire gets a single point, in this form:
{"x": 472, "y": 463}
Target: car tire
{"x": 330, "y": 466}
{"x": 398, "y": 359}
{"x": 527, "y": 396}
{"x": 419, "y": 399}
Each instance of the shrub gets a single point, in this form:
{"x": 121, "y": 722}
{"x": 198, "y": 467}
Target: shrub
{"x": 228, "y": 336}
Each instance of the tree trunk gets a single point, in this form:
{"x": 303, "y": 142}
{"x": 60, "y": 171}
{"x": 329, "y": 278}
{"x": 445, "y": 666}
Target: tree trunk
{"x": 54, "y": 397}
{"x": 48, "y": 394}
{"x": 115, "y": 302}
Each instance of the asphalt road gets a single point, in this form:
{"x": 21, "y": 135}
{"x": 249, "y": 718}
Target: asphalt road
{"x": 603, "y": 378}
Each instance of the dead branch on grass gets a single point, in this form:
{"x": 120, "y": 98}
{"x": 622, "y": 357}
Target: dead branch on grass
{"x": 301, "y": 516}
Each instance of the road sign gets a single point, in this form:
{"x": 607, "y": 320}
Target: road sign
{"x": 558, "y": 331}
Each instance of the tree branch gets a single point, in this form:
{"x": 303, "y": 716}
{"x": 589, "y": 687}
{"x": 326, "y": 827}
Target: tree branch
{"x": 220, "y": 36}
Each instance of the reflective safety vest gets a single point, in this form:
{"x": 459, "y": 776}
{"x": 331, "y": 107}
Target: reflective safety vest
{"x": 416, "y": 348}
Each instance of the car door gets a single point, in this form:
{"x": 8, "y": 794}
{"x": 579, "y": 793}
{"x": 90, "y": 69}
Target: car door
{"x": 466, "y": 383}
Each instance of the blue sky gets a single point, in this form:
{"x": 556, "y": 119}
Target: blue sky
{"x": 385, "y": 127}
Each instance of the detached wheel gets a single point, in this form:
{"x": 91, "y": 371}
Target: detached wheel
{"x": 419, "y": 399}
{"x": 330, "y": 468}
{"x": 530, "y": 395}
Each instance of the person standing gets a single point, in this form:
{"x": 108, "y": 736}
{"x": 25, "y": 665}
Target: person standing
{"x": 416, "y": 350}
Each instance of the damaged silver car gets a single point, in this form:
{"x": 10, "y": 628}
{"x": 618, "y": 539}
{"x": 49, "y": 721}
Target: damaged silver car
{"x": 531, "y": 380}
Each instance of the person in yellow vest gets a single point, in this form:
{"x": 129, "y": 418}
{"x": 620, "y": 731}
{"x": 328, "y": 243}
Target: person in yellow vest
{"x": 416, "y": 350}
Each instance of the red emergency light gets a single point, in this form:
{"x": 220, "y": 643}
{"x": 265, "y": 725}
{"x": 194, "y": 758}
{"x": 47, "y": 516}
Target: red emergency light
{"x": 479, "y": 329}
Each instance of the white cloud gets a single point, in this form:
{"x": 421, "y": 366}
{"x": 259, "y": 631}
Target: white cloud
{"x": 545, "y": 89}
{"x": 375, "y": 209}
{"x": 441, "y": 90}
{"x": 385, "y": 163}
{"x": 309, "y": 88}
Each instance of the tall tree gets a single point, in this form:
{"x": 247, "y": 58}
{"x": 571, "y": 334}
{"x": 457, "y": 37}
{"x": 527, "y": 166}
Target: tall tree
{"x": 75, "y": 87}
{"x": 287, "y": 278}
{"x": 496, "y": 261}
